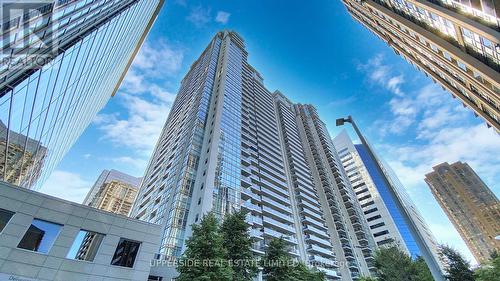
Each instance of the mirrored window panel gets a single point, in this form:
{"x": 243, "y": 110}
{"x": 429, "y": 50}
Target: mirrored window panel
{"x": 85, "y": 246}
{"x": 5, "y": 217}
{"x": 125, "y": 253}
{"x": 40, "y": 236}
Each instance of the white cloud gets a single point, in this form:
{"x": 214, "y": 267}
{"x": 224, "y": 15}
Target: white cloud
{"x": 141, "y": 128}
{"x": 139, "y": 164}
{"x": 393, "y": 84}
{"x": 199, "y": 16}
{"x": 66, "y": 185}
{"x": 159, "y": 59}
{"x": 222, "y": 17}
{"x": 145, "y": 100}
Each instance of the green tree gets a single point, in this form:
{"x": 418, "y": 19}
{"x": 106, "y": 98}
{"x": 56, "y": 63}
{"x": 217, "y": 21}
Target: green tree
{"x": 204, "y": 258}
{"x": 392, "y": 264}
{"x": 277, "y": 264}
{"x": 456, "y": 267}
{"x": 238, "y": 245}
{"x": 489, "y": 271}
{"x": 422, "y": 270}
{"x": 303, "y": 273}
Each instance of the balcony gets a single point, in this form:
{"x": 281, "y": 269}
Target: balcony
{"x": 320, "y": 241}
{"x": 318, "y": 249}
{"x": 316, "y": 231}
{"x": 278, "y": 225}
{"x": 275, "y": 234}
{"x": 277, "y": 206}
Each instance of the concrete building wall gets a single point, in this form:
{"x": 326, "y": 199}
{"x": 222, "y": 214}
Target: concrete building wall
{"x": 73, "y": 217}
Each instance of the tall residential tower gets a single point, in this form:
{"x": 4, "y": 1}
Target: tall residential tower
{"x": 231, "y": 144}
{"x": 384, "y": 218}
{"x": 456, "y": 43}
{"x": 471, "y": 206}
{"x": 60, "y": 62}
{"x": 114, "y": 192}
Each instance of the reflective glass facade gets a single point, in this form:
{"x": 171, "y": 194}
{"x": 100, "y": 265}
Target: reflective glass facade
{"x": 407, "y": 203}
{"x": 228, "y": 170}
{"x": 395, "y": 213}
{"x": 448, "y": 40}
{"x": 61, "y": 62}
{"x": 381, "y": 215}
{"x": 386, "y": 219}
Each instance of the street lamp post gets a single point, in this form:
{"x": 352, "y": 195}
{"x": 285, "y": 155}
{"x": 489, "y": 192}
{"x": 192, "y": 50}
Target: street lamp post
{"x": 424, "y": 248}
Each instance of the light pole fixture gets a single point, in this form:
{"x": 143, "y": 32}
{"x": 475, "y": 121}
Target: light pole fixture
{"x": 417, "y": 235}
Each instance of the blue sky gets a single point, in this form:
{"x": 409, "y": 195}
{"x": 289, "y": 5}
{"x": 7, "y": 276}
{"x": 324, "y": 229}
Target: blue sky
{"x": 314, "y": 53}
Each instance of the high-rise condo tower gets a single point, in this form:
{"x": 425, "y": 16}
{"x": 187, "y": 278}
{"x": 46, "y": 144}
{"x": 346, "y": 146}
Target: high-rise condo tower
{"x": 231, "y": 144}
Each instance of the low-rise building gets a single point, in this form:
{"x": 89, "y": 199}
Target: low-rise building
{"x": 47, "y": 238}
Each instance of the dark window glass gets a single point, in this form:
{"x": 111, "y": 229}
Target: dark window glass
{"x": 40, "y": 236}
{"x": 85, "y": 245}
{"x": 125, "y": 253}
{"x": 374, "y": 218}
{"x": 380, "y": 233}
{"x": 5, "y": 217}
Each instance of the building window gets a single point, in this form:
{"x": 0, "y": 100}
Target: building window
{"x": 380, "y": 233}
{"x": 462, "y": 65}
{"x": 40, "y": 236}
{"x": 125, "y": 253}
{"x": 5, "y": 217}
{"x": 85, "y": 245}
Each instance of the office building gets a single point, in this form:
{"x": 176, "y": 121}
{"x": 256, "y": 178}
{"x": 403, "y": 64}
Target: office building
{"x": 46, "y": 238}
{"x": 60, "y": 63}
{"x": 114, "y": 192}
{"x": 470, "y": 205}
{"x": 230, "y": 144}
{"x": 386, "y": 221}
{"x": 456, "y": 43}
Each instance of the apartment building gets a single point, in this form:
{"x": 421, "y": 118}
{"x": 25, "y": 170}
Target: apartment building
{"x": 456, "y": 43}
{"x": 114, "y": 192}
{"x": 470, "y": 205}
{"x": 230, "y": 144}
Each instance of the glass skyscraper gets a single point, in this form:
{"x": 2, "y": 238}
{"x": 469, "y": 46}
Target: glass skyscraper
{"x": 455, "y": 42}
{"x": 60, "y": 62}
{"x": 230, "y": 144}
{"x": 385, "y": 219}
